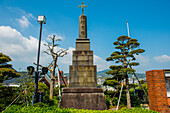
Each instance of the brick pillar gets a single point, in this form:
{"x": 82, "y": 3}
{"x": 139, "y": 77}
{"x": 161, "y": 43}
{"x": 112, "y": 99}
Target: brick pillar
{"x": 157, "y": 92}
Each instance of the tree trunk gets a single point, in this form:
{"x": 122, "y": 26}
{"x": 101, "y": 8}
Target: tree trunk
{"x": 52, "y": 88}
{"x": 128, "y": 94}
{"x": 52, "y": 83}
{"x": 26, "y": 97}
{"x": 127, "y": 87}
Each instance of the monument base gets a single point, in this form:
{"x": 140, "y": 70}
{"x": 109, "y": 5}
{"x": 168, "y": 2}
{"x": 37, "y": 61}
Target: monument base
{"x": 83, "y": 98}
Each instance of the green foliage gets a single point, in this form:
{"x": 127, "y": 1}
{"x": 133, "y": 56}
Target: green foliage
{"x": 122, "y": 39}
{"x": 111, "y": 82}
{"x": 4, "y": 58}
{"x": 124, "y": 57}
{"x": 134, "y": 64}
{"x": 42, "y": 88}
{"x": 135, "y": 100}
{"x": 144, "y": 85}
{"x": 137, "y": 51}
{"x": 144, "y": 98}
{"x": 142, "y": 82}
{"x": 40, "y": 104}
{"x": 54, "y": 109}
{"x": 123, "y": 100}
{"x": 115, "y": 100}
{"x": 126, "y": 47}
{"x": 27, "y": 90}
{"x": 6, "y": 71}
{"x": 107, "y": 99}
{"x": 7, "y": 95}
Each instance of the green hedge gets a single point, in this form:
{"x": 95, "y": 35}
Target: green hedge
{"x": 55, "y": 109}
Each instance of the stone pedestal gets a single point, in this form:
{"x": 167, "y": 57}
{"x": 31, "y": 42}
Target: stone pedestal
{"x": 83, "y": 98}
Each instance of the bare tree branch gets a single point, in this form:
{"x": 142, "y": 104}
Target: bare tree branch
{"x": 56, "y": 45}
{"x": 43, "y": 66}
{"x": 46, "y": 53}
{"x": 64, "y": 54}
{"x": 50, "y": 64}
{"x": 58, "y": 40}
{"x": 53, "y": 64}
{"x": 39, "y": 64}
{"x": 50, "y": 37}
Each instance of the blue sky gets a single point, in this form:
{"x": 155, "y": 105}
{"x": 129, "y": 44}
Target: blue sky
{"x": 149, "y": 22}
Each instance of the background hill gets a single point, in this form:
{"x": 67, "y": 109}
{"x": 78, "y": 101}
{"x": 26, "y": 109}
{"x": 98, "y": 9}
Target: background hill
{"x": 99, "y": 73}
{"x": 104, "y": 75}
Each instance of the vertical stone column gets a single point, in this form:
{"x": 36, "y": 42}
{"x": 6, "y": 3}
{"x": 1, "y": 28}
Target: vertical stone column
{"x": 82, "y": 26}
{"x": 157, "y": 92}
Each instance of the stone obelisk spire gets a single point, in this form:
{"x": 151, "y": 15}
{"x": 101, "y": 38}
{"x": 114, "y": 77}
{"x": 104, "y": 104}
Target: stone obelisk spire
{"x": 82, "y": 71}
{"x": 82, "y": 23}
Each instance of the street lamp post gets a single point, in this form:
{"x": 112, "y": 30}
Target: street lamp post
{"x": 41, "y": 20}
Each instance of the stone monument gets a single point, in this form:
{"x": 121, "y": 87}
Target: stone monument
{"x": 82, "y": 92}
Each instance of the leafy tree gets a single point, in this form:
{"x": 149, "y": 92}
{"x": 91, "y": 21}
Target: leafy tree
{"x": 25, "y": 82}
{"x": 44, "y": 89}
{"x": 27, "y": 90}
{"x": 143, "y": 88}
{"x": 6, "y": 71}
{"x": 7, "y": 95}
{"x": 142, "y": 81}
{"x": 124, "y": 57}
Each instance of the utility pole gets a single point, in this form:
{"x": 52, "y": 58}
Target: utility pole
{"x": 131, "y": 59}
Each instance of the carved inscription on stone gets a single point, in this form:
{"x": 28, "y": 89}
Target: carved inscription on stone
{"x": 82, "y": 27}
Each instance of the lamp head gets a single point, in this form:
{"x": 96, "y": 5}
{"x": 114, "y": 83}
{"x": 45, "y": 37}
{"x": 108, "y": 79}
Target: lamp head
{"x": 42, "y": 19}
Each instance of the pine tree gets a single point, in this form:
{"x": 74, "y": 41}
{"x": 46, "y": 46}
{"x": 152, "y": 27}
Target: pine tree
{"x": 124, "y": 57}
{"x": 6, "y": 71}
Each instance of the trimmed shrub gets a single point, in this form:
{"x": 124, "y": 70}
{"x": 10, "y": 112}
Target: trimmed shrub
{"x": 54, "y": 109}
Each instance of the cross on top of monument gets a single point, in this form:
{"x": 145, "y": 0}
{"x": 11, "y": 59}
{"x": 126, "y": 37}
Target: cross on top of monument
{"x": 82, "y": 6}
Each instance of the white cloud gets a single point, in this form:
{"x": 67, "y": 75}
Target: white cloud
{"x": 18, "y": 11}
{"x": 31, "y": 16}
{"x": 67, "y": 59}
{"x": 23, "y": 51}
{"x": 163, "y": 58}
{"x": 23, "y": 21}
{"x": 143, "y": 60}
{"x": 101, "y": 63}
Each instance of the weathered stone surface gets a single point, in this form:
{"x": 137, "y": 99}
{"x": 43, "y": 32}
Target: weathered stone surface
{"x": 82, "y": 76}
{"x": 82, "y": 46}
{"x": 83, "y": 98}
{"x": 82, "y": 58}
{"x": 82, "y": 26}
{"x": 82, "y": 92}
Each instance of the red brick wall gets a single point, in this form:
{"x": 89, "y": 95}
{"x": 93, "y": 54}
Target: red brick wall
{"x": 169, "y": 101}
{"x": 157, "y": 92}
